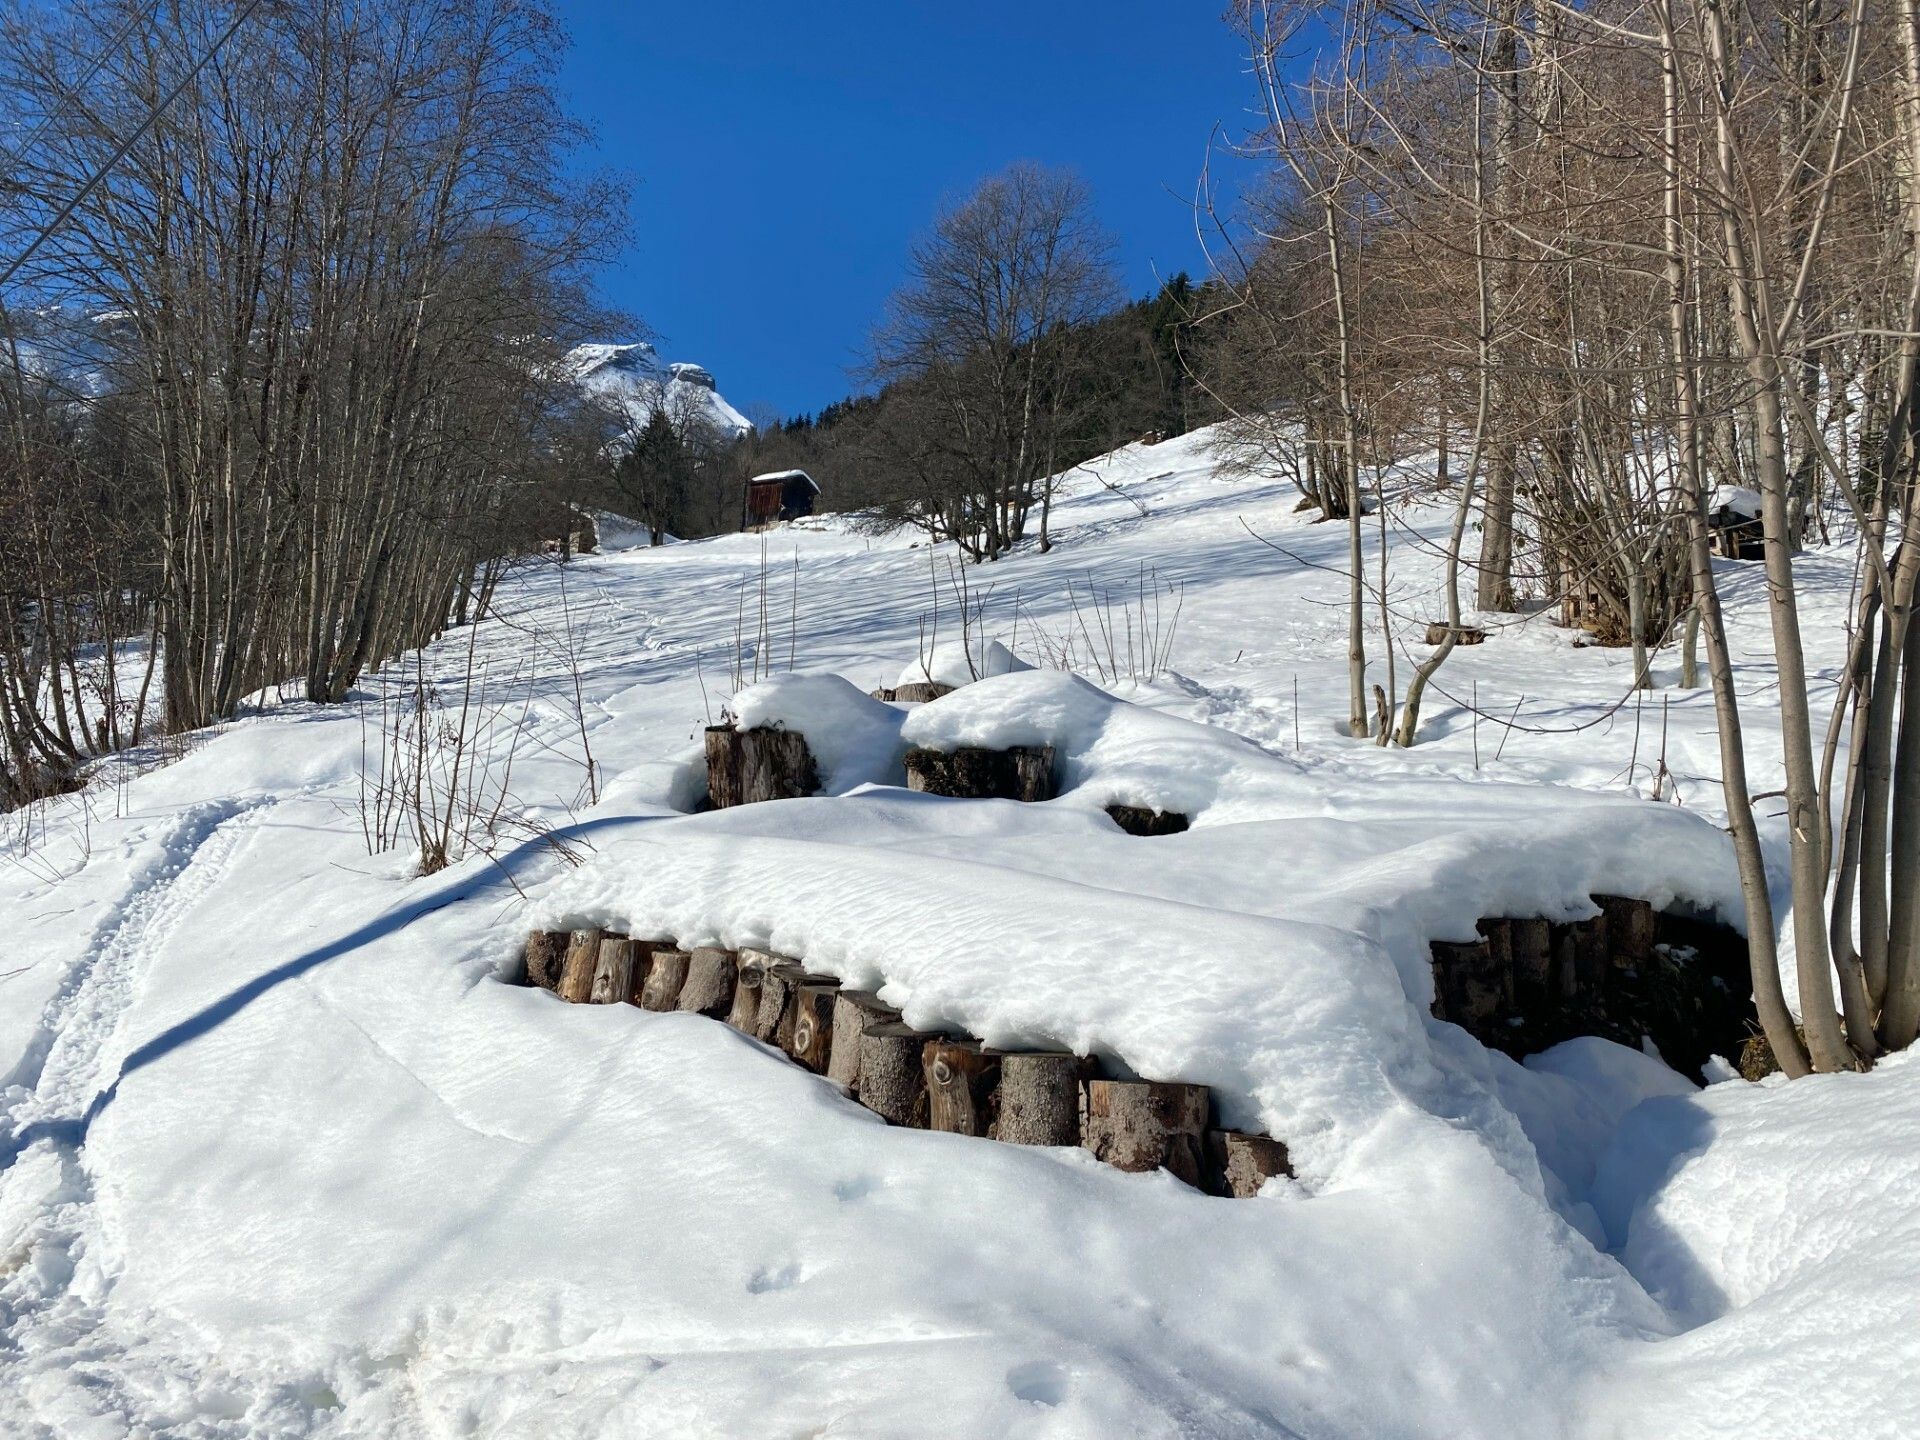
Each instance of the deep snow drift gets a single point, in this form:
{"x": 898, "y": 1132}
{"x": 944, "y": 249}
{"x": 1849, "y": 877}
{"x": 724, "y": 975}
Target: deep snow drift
{"x": 283, "y": 1155}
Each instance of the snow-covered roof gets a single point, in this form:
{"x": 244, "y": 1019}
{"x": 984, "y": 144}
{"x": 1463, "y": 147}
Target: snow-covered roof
{"x": 785, "y": 475}
{"x": 1736, "y": 498}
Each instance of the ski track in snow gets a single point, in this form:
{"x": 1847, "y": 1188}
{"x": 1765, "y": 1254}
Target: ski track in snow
{"x": 52, "y": 1340}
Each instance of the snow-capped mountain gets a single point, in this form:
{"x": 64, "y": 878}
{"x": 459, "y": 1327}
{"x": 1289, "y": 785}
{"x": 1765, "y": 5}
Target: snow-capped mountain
{"x": 634, "y": 377}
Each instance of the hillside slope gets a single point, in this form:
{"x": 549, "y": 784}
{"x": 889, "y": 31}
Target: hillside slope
{"x": 285, "y": 1155}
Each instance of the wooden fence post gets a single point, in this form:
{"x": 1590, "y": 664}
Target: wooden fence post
{"x": 893, "y": 1080}
{"x": 1040, "y": 1098}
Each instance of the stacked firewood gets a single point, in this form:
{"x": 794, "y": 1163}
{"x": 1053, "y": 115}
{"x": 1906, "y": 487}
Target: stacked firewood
{"x": 922, "y": 1079}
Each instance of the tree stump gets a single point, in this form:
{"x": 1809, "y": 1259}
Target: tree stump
{"x": 1147, "y": 1125}
{"x": 1139, "y": 820}
{"x": 1630, "y": 926}
{"x": 1580, "y": 959}
{"x": 1040, "y": 1098}
{"x": 546, "y": 951}
{"x": 749, "y": 975}
{"x": 893, "y": 1080}
{"x": 748, "y": 766}
{"x": 1238, "y": 1164}
{"x": 853, "y": 1012}
{"x": 664, "y": 978}
{"x": 813, "y": 1029}
{"x": 576, "y": 970}
{"x": 709, "y": 984}
{"x": 1021, "y": 773}
{"x": 613, "y": 971}
{"x": 962, "y": 1076}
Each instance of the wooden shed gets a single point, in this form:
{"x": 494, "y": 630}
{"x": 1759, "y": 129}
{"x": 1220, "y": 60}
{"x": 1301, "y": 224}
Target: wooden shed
{"x": 776, "y": 496}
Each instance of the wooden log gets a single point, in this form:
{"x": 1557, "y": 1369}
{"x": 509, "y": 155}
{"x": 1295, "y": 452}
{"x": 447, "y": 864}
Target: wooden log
{"x": 1147, "y": 1125}
{"x": 893, "y": 1080}
{"x": 853, "y": 1012}
{"x": 546, "y": 952}
{"x": 1238, "y": 1164}
{"x": 919, "y": 692}
{"x": 665, "y": 976}
{"x": 576, "y": 970}
{"x": 749, "y": 975}
{"x": 1139, "y": 820}
{"x": 780, "y": 982}
{"x": 643, "y": 967}
{"x": 709, "y": 984}
{"x": 1630, "y": 929}
{"x": 613, "y": 971}
{"x": 1531, "y": 945}
{"x": 969, "y": 773}
{"x": 1462, "y": 635}
{"x": 812, "y": 1039}
{"x": 962, "y": 1076}
{"x": 1470, "y": 985}
{"x": 748, "y": 766}
{"x": 1040, "y": 1098}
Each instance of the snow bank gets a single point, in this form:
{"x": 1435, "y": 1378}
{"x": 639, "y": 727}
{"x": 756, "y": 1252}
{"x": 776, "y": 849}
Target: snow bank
{"x": 954, "y": 662}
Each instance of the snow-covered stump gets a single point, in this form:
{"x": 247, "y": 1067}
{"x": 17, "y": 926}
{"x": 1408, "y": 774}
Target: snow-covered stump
{"x": 748, "y": 766}
{"x": 1462, "y": 634}
{"x": 1147, "y": 1125}
{"x": 1470, "y": 985}
{"x": 1238, "y": 1164}
{"x": 918, "y": 692}
{"x": 962, "y": 1076}
{"x": 577, "y": 968}
{"x": 613, "y": 971}
{"x": 893, "y": 1079}
{"x": 1143, "y": 821}
{"x": 812, "y": 1038}
{"x": 853, "y": 1012}
{"x": 665, "y": 977}
{"x": 1040, "y": 1097}
{"x": 708, "y": 989}
{"x": 546, "y": 951}
{"x": 1024, "y": 772}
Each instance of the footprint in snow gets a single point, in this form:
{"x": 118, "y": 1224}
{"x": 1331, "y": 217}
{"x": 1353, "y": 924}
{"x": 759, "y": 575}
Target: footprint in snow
{"x": 1038, "y": 1382}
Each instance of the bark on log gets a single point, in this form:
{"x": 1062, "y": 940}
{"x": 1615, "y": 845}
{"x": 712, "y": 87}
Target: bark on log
{"x": 576, "y": 970}
{"x": 962, "y": 1076}
{"x": 1238, "y": 1164}
{"x": 749, "y": 977}
{"x": 1470, "y": 987}
{"x": 812, "y": 1040}
{"x": 546, "y": 952}
{"x": 1147, "y": 1125}
{"x": 665, "y": 976}
{"x": 1139, "y": 820}
{"x": 1630, "y": 929}
{"x": 919, "y": 692}
{"x": 853, "y": 1012}
{"x": 893, "y": 1081}
{"x": 779, "y": 983}
{"x": 748, "y": 766}
{"x": 613, "y": 971}
{"x": 1531, "y": 944}
{"x": 969, "y": 773}
{"x": 1040, "y": 1098}
{"x": 709, "y": 984}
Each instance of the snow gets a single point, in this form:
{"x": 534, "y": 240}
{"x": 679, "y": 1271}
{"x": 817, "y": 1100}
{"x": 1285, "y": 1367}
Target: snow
{"x": 1737, "y": 499}
{"x": 959, "y": 662}
{"x": 788, "y": 475}
{"x": 281, "y": 1155}
{"x": 633, "y": 377}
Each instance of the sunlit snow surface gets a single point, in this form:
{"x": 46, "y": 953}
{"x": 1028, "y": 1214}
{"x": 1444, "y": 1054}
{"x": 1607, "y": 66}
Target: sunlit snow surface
{"x": 283, "y": 1156}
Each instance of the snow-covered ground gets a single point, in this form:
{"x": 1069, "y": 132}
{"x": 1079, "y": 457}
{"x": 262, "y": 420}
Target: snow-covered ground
{"x": 283, "y": 1155}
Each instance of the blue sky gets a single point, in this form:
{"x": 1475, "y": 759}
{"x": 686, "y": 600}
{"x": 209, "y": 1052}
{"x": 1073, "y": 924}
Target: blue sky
{"x": 786, "y": 154}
